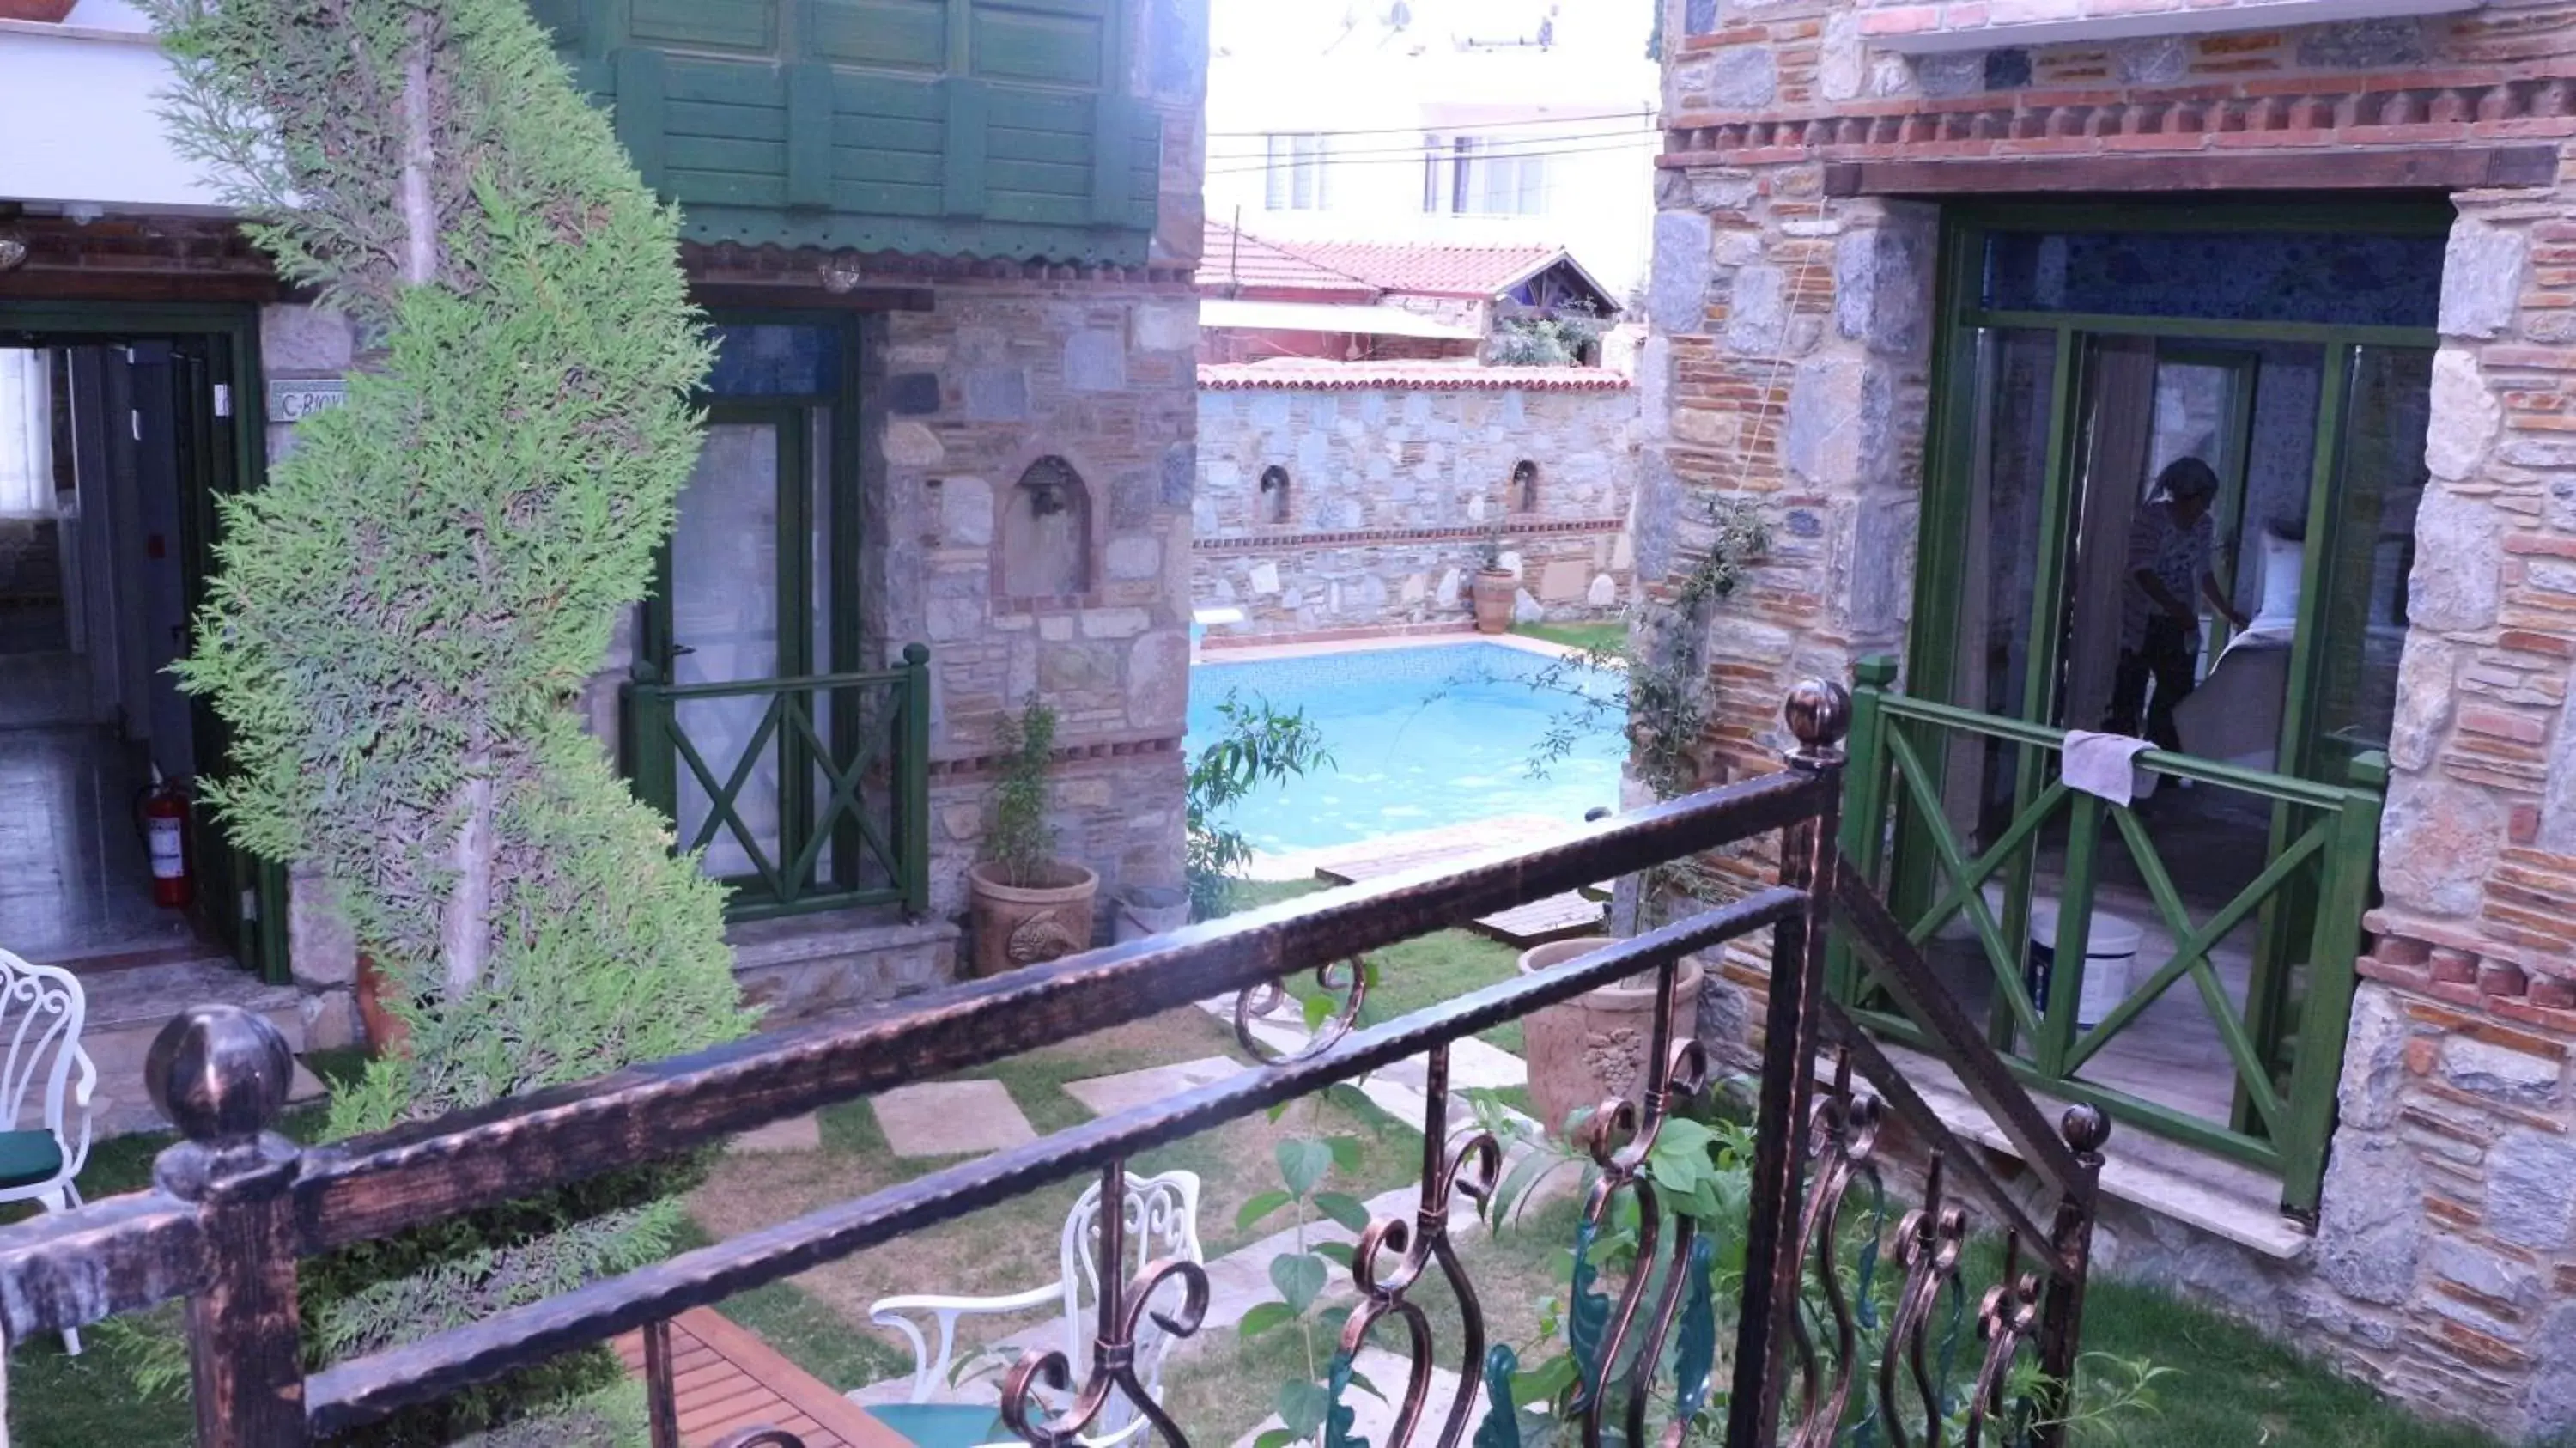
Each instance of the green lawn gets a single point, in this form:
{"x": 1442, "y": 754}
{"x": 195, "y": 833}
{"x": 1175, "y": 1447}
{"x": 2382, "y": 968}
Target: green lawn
{"x": 1417, "y": 973}
{"x": 2235, "y": 1385}
{"x": 1578, "y": 635}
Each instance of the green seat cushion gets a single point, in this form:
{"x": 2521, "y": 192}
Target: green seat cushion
{"x": 944, "y": 1425}
{"x": 29, "y": 1157}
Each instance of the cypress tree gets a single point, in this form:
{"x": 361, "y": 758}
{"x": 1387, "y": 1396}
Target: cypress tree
{"x": 402, "y": 618}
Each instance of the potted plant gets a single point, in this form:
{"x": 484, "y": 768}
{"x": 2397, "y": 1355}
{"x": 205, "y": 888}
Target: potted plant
{"x": 1587, "y": 1050}
{"x": 1029, "y": 906}
{"x": 1494, "y": 586}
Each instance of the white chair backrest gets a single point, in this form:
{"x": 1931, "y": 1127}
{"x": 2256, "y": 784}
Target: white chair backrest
{"x": 41, "y": 1008}
{"x": 1162, "y": 1220}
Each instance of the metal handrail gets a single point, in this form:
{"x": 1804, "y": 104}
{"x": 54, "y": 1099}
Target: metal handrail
{"x": 235, "y": 1204}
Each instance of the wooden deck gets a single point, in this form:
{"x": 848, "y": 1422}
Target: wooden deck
{"x": 1558, "y": 917}
{"x": 728, "y": 1380}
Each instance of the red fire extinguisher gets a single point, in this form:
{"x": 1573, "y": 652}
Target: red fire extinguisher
{"x": 165, "y": 837}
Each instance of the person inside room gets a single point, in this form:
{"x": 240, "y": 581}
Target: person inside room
{"x": 2171, "y": 547}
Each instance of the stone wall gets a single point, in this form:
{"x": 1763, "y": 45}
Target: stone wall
{"x": 980, "y": 389}
{"x": 1393, "y": 477}
{"x": 1789, "y": 364}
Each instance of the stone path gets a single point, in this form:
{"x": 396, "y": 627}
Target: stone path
{"x": 1557, "y": 917}
{"x": 951, "y": 1118}
{"x": 1109, "y": 1095}
{"x": 939, "y": 1119}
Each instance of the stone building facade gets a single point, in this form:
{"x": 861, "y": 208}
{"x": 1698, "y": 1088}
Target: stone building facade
{"x": 1000, "y": 347}
{"x": 1355, "y": 498}
{"x": 1814, "y": 147}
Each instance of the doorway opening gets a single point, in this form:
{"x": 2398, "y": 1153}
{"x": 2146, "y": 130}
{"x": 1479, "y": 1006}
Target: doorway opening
{"x": 2172, "y": 497}
{"x": 114, "y": 442}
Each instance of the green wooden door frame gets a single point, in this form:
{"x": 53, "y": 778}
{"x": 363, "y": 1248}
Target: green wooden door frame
{"x": 1957, "y": 383}
{"x": 255, "y": 908}
{"x": 801, "y": 586}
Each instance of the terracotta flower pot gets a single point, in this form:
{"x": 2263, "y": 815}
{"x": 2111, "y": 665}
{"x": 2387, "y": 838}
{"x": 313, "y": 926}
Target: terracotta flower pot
{"x": 48, "y": 12}
{"x": 1017, "y": 925}
{"x": 1492, "y": 591}
{"x": 387, "y": 1034}
{"x": 1587, "y": 1050}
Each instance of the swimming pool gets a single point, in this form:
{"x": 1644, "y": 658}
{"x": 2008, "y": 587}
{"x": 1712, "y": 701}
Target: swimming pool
{"x": 1421, "y": 737}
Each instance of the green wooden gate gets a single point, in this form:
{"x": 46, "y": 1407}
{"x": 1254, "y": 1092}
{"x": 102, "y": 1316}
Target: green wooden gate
{"x": 2289, "y": 1082}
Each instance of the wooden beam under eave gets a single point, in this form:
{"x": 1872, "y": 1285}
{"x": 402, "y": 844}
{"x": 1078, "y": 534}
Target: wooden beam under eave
{"x": 2424, "y": 168}
{"x": 38, "y": 283}
{"x": 811, "y": 295}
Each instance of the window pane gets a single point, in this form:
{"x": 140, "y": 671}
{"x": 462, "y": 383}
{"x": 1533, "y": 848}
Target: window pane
{"x": 2354, "y": 279}
{"x": 772, "y": 361}
{"x": 2360, "y": 628}
{"x": 1533, "y": 186}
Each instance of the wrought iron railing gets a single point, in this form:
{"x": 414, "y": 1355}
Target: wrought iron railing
{"x": 236, "y": 1205}
{"x": 2303, "y": 903}
{"x": 807, "y": 793}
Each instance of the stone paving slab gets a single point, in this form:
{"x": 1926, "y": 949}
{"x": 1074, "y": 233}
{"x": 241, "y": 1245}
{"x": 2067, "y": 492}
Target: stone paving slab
{"x": 951, "y": 1118}
{"x": 1109, "y": 1095}
{"x": 796, "y": 1133}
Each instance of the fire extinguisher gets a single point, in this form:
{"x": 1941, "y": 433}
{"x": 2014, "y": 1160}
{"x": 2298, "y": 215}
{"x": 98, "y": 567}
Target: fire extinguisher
{"x": 165, "y": 838}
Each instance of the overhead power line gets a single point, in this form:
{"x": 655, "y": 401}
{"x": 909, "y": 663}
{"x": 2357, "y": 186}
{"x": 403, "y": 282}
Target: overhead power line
{"x": 1420, "y": 157}
{"x": 1642, "y": 112}
{"x": 1509, "y": 146}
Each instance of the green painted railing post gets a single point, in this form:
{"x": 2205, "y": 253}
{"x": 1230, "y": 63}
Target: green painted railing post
{"x": 656, "y": 768}
{"x": 1864, "y": 832}
{"x": 912, "y": 776}
{"x": 2074, "y": 935}
{"x": 2325, "y": 1018}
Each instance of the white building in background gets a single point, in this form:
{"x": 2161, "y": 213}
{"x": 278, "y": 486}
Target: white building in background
{"x": 1458, "y": 122}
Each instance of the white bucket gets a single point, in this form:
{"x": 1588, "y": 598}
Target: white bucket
{"x": 2110, "y": 955}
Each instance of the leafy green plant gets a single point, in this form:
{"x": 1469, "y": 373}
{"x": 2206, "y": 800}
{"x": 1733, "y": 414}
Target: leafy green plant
{"x": 1488, "y": 552}
{"x": 1022, "y": 843}
{"x": 1562, "y": 337}
{"x": 1256, "y": 745}
{"x": 403, "y": 617}
{"x": 1301, "y": 1273}
{"x": 1700, "y": 1170}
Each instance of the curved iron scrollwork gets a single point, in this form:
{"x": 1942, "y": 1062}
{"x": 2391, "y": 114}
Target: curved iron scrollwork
{"x": 1843, "y": 1143}
{"x": 1346, "y": 980}
{"x": 1928, "y": 1244}
{"x": 1620, "y": 1137}
{"x": 1393, "y": 1254}
{"x": 1123, "y": 1309}
{"x": 2006, "y": 1318}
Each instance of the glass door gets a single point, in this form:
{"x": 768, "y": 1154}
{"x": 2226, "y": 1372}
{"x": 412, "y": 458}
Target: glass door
{"x": 736, "y": 610}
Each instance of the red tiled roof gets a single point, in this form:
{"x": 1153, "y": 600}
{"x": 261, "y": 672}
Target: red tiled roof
{"x": 1239, "y": 263}
{"x": 1427, "y": 268}
{"x": 1313, "y": 374}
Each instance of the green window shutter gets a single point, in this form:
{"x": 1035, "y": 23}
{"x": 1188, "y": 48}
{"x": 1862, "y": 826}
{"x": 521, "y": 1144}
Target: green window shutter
{"x": 642, "y": 106}
{"x": 967, "y": 142}
{"x": 809, "y": 135}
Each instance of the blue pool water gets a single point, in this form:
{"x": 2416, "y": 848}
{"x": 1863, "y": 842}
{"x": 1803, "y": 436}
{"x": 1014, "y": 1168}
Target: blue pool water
{"x": 1420, "y": 738}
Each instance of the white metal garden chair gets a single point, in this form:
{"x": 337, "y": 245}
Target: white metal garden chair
{"x": 1162, "y": 1220}
{"x": 41, "y": 1009}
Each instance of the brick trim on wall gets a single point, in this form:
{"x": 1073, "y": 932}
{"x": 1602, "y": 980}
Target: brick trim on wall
{"x": 2304, "y": 113}
{"x": 1512, "y": 528}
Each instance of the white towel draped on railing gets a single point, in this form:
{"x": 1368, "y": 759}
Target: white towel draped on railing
{"x": 26, "y": 439}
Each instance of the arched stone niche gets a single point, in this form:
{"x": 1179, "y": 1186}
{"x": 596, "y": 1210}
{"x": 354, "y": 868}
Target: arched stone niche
{"x": 1274, "y": 495}
{"x": 1046, "y": 532}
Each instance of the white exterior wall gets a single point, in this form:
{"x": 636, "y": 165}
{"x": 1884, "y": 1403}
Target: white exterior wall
{"x": 79, "y": 104}
{"x": 1291, "y": 68}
